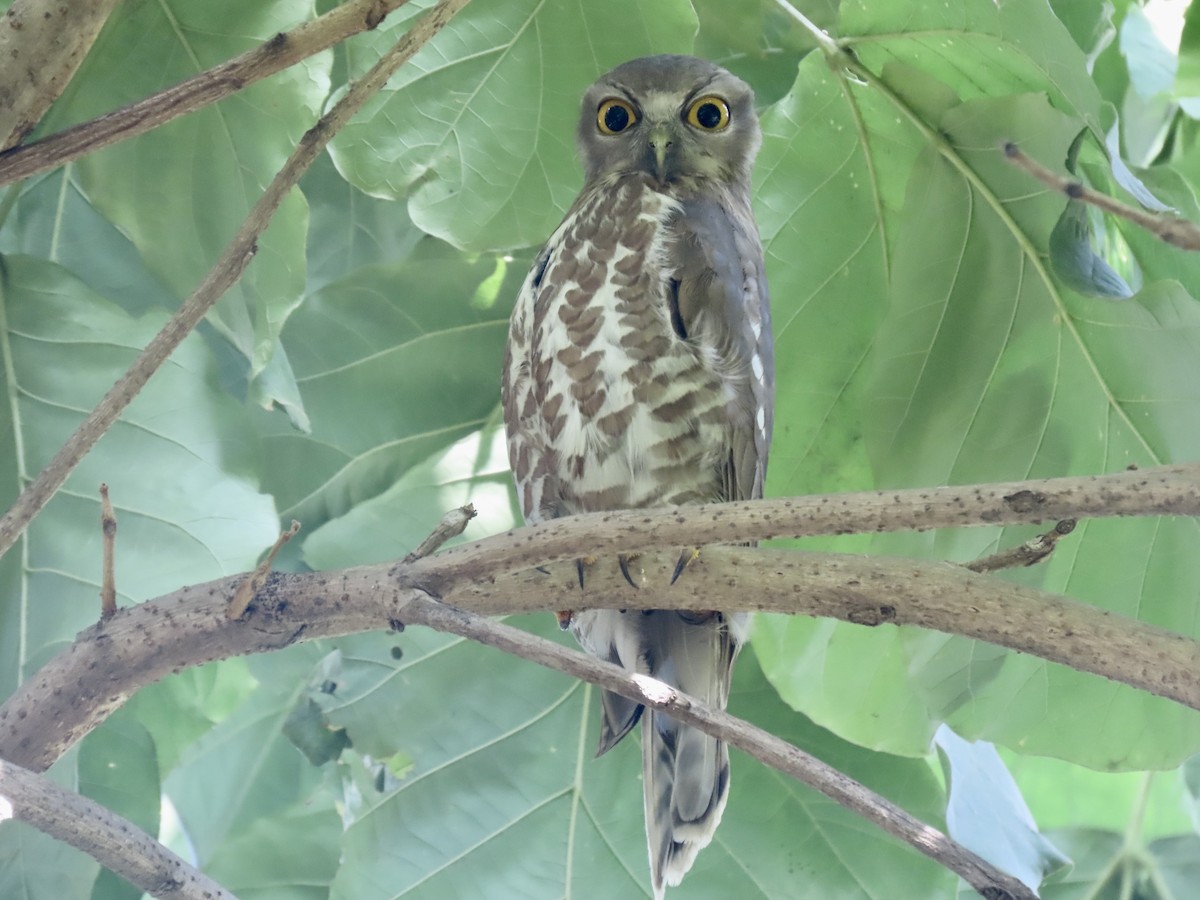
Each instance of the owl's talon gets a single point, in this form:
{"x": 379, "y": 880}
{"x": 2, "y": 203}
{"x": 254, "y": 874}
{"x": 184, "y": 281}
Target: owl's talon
{"x": 623, "y": 560}
{"x": 582, "y": 565}
{"x": 686, "y": 558}
{"x": 564, "y": 617}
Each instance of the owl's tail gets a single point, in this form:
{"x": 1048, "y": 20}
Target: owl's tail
{"x": 685, "y": 772}
{"x": 686, "y": 785}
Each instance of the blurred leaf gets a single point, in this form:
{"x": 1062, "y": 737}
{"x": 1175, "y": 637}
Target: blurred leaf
{"x": 987, "y": 814}
{"x": 309, "y": 733}
{"x": 476, "y": 130}
{"x": 1062, "y": 795}
{"x": 1187, "y": 75}
{"x": 291, "y": 856}
{"x": 349, "y": 230}
{"x": 209, "y": 167}
{"x": 35, "y": 866}
{"x": 1108, "y": 868}
{"x": 472, "y": 470}
{"x": 1076, "y": 263}
{"x": 244, "y": 771}
{"x": 394, "y": 362}
{"x": 504, "y": 792}
{"x": 179, "y": 465}
{"x": 118, "y": 769}
{"x": 53, "y": 220}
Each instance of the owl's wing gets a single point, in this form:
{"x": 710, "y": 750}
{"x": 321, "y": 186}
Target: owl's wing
{"x": 719, "y": 300}
{"x": 528, "y": 442}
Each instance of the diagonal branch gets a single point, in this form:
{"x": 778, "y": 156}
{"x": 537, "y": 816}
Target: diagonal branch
{"x": 762, "y": 745}
{"x": 224, "y": 273}
{"x": 283, "y": 50}
{"x": 113, "y": 841}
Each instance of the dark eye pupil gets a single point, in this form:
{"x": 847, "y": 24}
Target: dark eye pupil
{"x": 616, "y": 118}
{"x": 708, "y": 115}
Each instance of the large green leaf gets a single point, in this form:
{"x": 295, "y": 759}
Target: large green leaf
{"x": 179, "y": 464}
{"x": 983, "y": 368}
{"x": 503, "y": 793}
{"x": 243, "y": 783}
{"x": 475, "y": 132}
{"x": 209, "y": 167}
{"x": 394, "y": 362}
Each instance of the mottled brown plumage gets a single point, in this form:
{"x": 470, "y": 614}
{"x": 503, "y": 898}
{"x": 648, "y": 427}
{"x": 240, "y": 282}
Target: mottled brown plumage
{"x": 639, "y": 373}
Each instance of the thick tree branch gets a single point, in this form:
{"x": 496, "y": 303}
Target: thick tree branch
{"x": 74, "y": 692}
{"x": 224, "y": 273}
{"x": 113, "y": 841}
{"x": 283, "y": 50}
{"x": 1164, "y": 490}
{"x": 868, "y": 591}
{"x": 42, "y": 43}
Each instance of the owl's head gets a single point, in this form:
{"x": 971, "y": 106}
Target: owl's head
{"x": 671, "y": 117}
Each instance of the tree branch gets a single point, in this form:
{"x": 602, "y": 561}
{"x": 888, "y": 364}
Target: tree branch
{"x": 224, "y": 273}
{"x": 42, "y": 43}
{"x": 77, "y": 689}
{"x": 113, "y": 841}
{"x": 1171, "y": 229}
{"x": 283, "y": 50}
{"x": 1164, "y": 490}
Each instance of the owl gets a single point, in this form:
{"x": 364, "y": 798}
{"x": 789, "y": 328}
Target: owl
{"x": 639, "y": 372}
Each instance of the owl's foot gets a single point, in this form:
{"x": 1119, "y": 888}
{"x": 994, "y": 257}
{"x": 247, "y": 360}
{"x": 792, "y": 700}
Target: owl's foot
{"x": 623, "y": 560}
{"x": 686, "y": 558}
{"x": 582, "y": 565}
{"x": 564, "y": 617}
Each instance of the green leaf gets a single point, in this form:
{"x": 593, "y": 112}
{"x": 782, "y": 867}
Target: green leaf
{"x": 987, "y": 814}
{"x": 210, "y": 167}
{"x": 1187, "y": 75}
{"x": 179, "y": 465}
{"x": 349, "y": 230}
{"x": 35, "y": 866}
{"x": 1108, "y": 868}
{"x": 1003, "y": 377}
{"x": 245, "y": 771}
{"x": 475, "y": 130}
{"x": 1076, "y": 263}
{"x": 472, "y": 470}
{"x": 504, "y": 791}
{"x": 394, "y": 363}
{"x": 118, "y": 769}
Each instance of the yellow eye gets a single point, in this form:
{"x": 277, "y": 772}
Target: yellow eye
{"x": 614, "y": 116}
{"x": 709, "y": 113}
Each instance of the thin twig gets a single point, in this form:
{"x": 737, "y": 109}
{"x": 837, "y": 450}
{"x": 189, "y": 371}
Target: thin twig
{"x": 113, "y": 841}
{"x": 243, "y": 596}
{"x": 224, "y": 273}
{"x": 108, "y": 580}
{"x": 1029, "y": 553}
{"x": 762, "y": 745}
{"x": 451, "y": 525}
{"x": 1171, "y": 229}
{"x": 283, "y": 50}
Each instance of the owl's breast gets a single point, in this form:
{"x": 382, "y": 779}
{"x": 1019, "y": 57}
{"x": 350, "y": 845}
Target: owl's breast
{"x": 631, "y": 413}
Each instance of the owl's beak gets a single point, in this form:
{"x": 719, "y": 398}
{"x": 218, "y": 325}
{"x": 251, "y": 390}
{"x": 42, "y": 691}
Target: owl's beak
{"x": 660, "y": 144}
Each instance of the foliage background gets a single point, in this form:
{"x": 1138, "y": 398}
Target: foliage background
{"x": 938, "y": 320}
